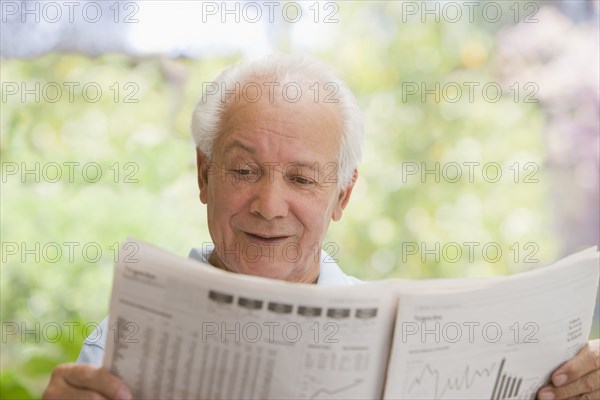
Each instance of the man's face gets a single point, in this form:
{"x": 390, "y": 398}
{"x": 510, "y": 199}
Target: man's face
{"x": 271, "y": 187}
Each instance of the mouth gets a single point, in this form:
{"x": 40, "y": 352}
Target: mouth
{"x": 271, "y": 239}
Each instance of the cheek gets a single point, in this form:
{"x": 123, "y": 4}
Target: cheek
{"x": 217, "y": 214}
{"x": 224, "y": 203}
{"x": 315, "y": 215}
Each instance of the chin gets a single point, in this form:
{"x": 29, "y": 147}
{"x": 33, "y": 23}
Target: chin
{"x": 267, "y": 270}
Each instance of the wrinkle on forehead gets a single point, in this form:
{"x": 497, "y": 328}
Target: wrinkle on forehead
{"x": 270, "y": 118}
{"x": 267, "y": 131}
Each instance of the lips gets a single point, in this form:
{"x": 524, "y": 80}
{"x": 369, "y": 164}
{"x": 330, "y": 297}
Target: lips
{"x": 266, "y": 238}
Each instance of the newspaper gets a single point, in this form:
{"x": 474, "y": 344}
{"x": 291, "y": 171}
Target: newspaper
{"x": 185, "y": 330}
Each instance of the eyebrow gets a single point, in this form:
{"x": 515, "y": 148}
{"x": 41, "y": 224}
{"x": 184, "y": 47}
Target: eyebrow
{"x": 308, "y": 165}
{"x": 236, "y": 144}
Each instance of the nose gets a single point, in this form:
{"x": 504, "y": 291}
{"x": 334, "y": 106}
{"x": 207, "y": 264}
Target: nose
{"x": 270, "y": 198}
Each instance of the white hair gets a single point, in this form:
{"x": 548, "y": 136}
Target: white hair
{"x": 206, "y": 118}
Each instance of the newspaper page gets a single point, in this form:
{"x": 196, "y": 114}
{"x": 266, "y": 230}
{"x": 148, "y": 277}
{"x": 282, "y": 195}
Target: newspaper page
{"x": 181, "y": 329}
{"x": 497, "y": 338}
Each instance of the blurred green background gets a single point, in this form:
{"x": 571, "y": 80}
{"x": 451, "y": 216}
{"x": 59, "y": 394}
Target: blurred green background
{"x": 148, "y": 185}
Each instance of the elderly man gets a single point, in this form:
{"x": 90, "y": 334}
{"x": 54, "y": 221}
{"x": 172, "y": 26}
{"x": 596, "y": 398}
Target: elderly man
{"x": 278, "y": 142}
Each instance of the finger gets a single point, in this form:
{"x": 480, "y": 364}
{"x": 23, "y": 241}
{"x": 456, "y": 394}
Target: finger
{"x": 96, "y": 379}
{"x": 588, "y": 359}
{"x": 587, "y": 384}
{"x": 64, "y": 391}
{"x": 595, "y": 395}
{"x": 545, "y": 393}
{"x": 59, "y": 389}
{"x": 588, "y": 396}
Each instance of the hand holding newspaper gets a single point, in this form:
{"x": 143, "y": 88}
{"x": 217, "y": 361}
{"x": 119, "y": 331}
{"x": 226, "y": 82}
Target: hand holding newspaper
{"x": 182, "y": 329}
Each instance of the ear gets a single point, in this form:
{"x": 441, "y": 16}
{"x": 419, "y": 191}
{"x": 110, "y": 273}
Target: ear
{"x": 202, "y": 164}
{"x": 344, "y": 197}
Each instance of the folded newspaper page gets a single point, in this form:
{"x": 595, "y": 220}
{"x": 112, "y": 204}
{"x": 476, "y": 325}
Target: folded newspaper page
{"x": 501, "y": 340}
{"x": 186, "y": 330}
{"x": 182, "y": 329}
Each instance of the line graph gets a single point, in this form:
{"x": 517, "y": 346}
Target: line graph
{"x": 441, "y": 384}
{"x": 505, "y": 386}
{"x": 326, "y": 393}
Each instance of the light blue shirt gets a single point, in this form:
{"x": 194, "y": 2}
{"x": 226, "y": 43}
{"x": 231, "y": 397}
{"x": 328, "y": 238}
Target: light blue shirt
{"x": 330, "y": 274}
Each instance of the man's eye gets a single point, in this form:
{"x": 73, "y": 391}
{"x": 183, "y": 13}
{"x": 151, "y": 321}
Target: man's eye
{"x": 242, "y": 171}
{"x": 244, "y": 174}
{"x": 302, "y": 180}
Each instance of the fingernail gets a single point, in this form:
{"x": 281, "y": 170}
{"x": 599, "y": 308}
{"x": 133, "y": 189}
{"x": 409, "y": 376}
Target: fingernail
{"x": 547, "y": 395}
{"x": 559, "y": 380}
{"x": 124, "y": 394}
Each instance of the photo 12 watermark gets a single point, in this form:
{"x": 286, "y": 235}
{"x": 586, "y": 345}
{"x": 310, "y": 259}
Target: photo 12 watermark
{"x": 51, "y": 332}
{"x": 271, "y": 91}
{"x": 68, "y": 252}
{"x": 470, "y": 252}
{"x": 469, "y": 172}
{"x": 452, "y": 12}
{"x": 270, "y": 252}
{"x": 69, "y": 172}
{"x": 71, "y": 92}
{"x": 55, "y": 12}
{"x": 468, "y": 91}
{"x": 303, "y": 174}
{"x": 254, "y": 12}
{"x": 435, "y": 330}
{"x": 269, "y": 331}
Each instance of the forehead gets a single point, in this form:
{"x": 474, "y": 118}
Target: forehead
{"x": 276, "y": 126}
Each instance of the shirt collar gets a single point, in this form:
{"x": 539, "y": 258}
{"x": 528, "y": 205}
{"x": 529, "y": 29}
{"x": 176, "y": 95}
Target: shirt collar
{"x": 330, "y": 273}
